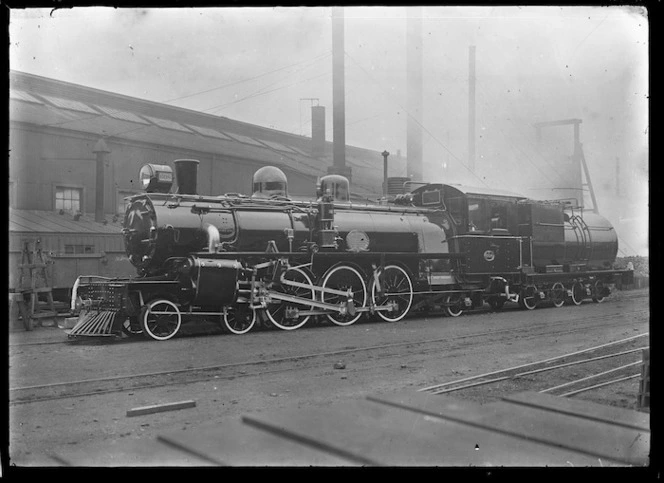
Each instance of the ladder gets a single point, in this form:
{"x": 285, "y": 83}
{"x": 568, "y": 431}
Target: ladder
{"x": 34, "y": 281}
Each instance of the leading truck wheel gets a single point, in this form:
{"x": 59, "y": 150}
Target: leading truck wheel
{"x": 132, "y": 327}
{"x": 396, "y": 288}
{"x": 239, "y": 319}
{"x": 161, "y": 319}
{"x": 344, "y": 278}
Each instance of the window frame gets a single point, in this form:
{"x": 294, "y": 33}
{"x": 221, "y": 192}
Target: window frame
{"x": 69, "y": 186}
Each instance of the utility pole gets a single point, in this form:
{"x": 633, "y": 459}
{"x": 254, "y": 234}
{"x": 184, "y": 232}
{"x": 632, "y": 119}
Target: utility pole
{"x": 471, "y": 108}
{"x": 617, "y": 177}
{"x": 385, "y": 154}
{"x": 414, "y": 101}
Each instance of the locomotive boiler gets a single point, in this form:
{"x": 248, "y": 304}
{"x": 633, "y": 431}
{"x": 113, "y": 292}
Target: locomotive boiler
{"x": 266, "y": 258}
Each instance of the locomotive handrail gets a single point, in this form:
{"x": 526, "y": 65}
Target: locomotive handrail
{"x": 271, "y": 255}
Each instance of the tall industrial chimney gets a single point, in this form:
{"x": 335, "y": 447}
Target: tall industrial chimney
{"x": 471, "y": 108}
{"x": 414, "y": 89}
{"x": 338, "y": 96}
{"x": 317, "y": 130}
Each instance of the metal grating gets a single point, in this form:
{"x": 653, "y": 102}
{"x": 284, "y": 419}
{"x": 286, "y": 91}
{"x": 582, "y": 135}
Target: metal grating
{"x": 123, "y": 115}
{"x": 23, "y": 96}
{"x": 245, "y": 139}
{"x": 168, "y": 124}
{"x": 278, "y": 146}
{"x": 206, "y": 131}
{"x": 70, "y": 104}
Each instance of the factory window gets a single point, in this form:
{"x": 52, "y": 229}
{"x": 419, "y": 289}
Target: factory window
{"x": 122, "y": 202}
{"x": 68, "y": 199}
{"x": 78, "y": 249}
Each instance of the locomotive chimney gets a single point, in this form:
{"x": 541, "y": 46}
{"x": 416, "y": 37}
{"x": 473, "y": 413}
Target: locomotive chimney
{"x": 186, "y": 173}
{"x": 317, "y": 130}
{"x": 100, "y": 150}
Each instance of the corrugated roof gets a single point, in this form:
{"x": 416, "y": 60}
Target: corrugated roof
{"x": 38, "y": 221}
{"x": 167, "y": 123}
{"x": 23, "y": 96}
{"x": 124, "y": 115}
{"x": 69, "y": 104}
{"x": 206, "y": 131}
{"x": 98, "y": 119}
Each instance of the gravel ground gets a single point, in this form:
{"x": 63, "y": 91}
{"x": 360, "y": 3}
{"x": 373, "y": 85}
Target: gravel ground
{"x": 271, "y": 370}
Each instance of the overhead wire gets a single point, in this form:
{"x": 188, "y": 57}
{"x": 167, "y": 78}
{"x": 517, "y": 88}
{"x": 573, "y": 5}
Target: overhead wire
{"x": 389, "y": 95}
{"x": 247, "y": 79}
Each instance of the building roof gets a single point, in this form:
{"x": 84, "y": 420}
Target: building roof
{"x": 49, "y": 103}
{"x": 38, "y": 221}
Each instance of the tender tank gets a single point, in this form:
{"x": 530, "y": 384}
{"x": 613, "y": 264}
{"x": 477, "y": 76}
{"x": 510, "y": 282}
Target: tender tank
{"x": 590, "y": 240}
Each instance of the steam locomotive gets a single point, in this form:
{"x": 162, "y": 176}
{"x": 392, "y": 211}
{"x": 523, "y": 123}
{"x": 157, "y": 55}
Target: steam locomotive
{"x": 266, "y": 258}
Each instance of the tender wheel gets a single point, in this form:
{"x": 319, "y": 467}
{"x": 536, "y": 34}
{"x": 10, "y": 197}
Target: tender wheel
{"x": 558, "y": 294}
{"x": 239, "y": 319}
{"x": 396, "y": 287}
{"x": 528, "y": 297}
{"x": 496, "y": 303}
{"x": 452, "y": 305}
{"x": 131, "y": 326}
{"x": 578, "y": 293}
{"x": 161, "y": 319}
{"x": 600, "y": 291}
{"x": 280, "y": 312}
{"x": 343, "y": 277}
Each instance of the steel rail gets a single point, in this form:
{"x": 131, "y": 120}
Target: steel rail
{"x": 592, "y": 376}
{"x": 612, "y": 381}
{"x": 152, "y": 383}
{"x": 537, "y": 371}
{"x": 471, "y": 378}
{"x": 303, "y": 356}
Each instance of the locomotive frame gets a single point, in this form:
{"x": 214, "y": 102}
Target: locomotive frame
{"x": 272, "y": 260}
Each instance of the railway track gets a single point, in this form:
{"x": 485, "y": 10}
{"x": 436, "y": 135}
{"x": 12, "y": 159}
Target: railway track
{"x": 622, "y": 295}
{"x": 623, "y": 359}
{"x": 105, "y": 385}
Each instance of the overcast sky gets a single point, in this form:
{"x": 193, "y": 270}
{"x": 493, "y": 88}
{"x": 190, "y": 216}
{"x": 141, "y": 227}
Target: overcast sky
{"x": 258, "y": 64}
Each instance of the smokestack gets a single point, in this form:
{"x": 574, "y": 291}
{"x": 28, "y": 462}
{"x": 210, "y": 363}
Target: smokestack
{"x": 100, "y": 150}
{"x": 471, "y": 108}
{"x": 317, "y": 130}
{"x": 414, "y": 88}
{"x": 186, "y": 173}
{"x": 338, "y": 95}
